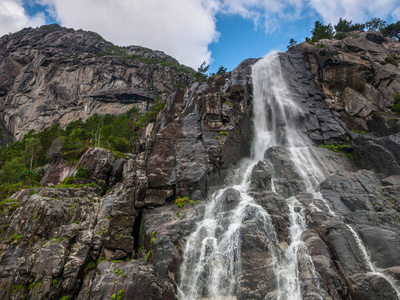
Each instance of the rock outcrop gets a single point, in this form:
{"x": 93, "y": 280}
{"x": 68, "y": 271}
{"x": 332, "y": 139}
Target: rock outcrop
{"x": 53, "y": 74}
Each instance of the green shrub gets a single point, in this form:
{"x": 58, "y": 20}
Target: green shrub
{"x": 15, "y": 237}
{"x": 82, "y": 173}
{"x": 339, "y": 148}
{"x": 148, "y": 256}
{"x": 120, "y": 295}
{"x": 396, "y": 105}
{"x": 180, "y": 202}
{"x": 392, "y": 59}
{"x": 68, "y": 180}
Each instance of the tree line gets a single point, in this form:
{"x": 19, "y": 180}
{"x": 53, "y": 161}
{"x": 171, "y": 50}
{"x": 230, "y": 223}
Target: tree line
{"x": 345, "y": 28}
{"x": 22, "y": 161}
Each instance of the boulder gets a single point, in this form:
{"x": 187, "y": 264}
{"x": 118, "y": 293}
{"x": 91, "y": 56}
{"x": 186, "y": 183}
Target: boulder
{"x": 261, "y": 176}
{"x": 98, "y": 162}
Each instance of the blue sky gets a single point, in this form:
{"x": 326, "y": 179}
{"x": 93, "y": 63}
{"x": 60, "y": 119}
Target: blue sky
{"x": 221, "y": 32}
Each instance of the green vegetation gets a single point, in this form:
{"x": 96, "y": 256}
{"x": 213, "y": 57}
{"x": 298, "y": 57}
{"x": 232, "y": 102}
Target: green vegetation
{"x": 120, "y": 52}
{"x": 15, "y": 237}
{"x": 345, "y": 29}
{"x": 74, "y": 186}
{"x": 149, "y": 256}
{"x": 319, "y": 32}
{"x": 81, "y": 173}
{"x": 391, "y": 59}
{"x": 221, "y": 71}
{"x": 343, "y": 148}
{"x": 16, "y": 288}
{"x": 120, "y": 295}
{"x": 180, "y": 202}
{"x": 359, "y": 131}
{"x": 90, "y": 265}
{"x": 201, "y": 72}
{"x": 22, "y": 161}
{"x": 396, "y": 105}
{"x": 292, "y": 43}
{"x": 141, "y": 249}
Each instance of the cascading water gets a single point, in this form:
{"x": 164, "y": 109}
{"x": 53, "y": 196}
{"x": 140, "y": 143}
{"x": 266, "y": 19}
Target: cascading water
{"x": 212, "y": 264}
{"x": 212, "y": 258}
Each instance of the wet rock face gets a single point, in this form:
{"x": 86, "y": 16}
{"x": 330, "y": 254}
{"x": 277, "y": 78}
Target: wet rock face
{"x": 53, "y": 74}
{"x": 204, "y": 131}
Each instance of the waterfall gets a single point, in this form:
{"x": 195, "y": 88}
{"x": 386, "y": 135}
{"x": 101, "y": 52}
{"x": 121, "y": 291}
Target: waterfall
{"x": 214, "y": 264}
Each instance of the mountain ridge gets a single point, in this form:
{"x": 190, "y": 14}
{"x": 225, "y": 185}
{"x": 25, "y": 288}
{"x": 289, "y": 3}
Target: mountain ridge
{"x": 54, "y": 74}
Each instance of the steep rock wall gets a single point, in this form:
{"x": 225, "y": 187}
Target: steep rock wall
{"x": 53, "y": 74}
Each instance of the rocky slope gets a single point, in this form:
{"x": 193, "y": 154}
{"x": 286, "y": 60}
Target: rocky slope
{"x": 87, "y": 244}
{"x": 53, "y": 74}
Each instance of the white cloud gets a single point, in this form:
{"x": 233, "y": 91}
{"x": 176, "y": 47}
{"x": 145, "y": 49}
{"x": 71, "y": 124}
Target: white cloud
{"x": 181, "y": 28}
{"x": 13, "y": 17}
{"x": 355, "y": 10}
{"x": 396, "y": 14}
{"x": 264, "y": 13}
{"x": 184, "y": 28}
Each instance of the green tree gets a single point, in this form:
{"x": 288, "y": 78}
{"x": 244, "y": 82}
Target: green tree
{"x": 375, "y": 24}
{"x": 321, "y": 31}
{"x": 343, "y": 26}
{"x": 201, "y": 71}
{"x": 392, "y": 30}
{"x": 221, "y": 70}
{"x": 11, "y": 170}
{"x": 292, "y": 43}
{"x": 33, "y": 148}
{"x": 203, "y": 68}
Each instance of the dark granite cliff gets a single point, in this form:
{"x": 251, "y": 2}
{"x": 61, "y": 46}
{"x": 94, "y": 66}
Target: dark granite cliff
{"x": 85, "y": 244}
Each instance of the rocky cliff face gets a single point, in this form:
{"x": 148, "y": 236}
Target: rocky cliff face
{"x": 53, "y": 74}
{"x": 88, "y": 244}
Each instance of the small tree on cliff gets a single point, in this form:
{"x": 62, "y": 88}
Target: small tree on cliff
{"x": 375, "y": 24}
{"x": 201, "y": 71}
{"x": 292, "y": 43}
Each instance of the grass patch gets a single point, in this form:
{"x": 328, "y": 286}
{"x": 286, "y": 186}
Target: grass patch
{"x": 339, "y": 148}
{"x": 15, "y": 237}
{"x": 74, "y": 186}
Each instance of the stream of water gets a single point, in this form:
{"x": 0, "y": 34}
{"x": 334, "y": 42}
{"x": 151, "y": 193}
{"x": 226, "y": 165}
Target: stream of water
{"x": 212, "y": 260}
